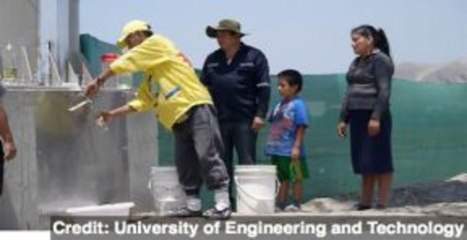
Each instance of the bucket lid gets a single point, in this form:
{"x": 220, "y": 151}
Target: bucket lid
{"x": 263, "y": 168}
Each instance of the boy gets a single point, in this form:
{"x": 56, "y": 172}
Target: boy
{"x": 182, "y": 104}
{"x": 285, "y": 142}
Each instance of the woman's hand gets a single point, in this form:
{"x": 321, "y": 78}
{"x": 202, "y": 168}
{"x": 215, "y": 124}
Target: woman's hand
{"x": 373, "y": 127}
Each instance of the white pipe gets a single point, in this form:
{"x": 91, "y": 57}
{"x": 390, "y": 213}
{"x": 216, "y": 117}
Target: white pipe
{"x": 54, "y": 69}
{"x": 28, "y": 65}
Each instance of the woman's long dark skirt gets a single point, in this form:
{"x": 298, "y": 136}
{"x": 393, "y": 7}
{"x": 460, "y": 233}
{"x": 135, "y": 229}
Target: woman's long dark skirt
{"x": 370, "y": 154}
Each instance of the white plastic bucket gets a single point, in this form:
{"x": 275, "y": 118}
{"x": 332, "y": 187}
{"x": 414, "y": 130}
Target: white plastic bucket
{"x": 256, "y": 189}
{"x": 166, "y": 190}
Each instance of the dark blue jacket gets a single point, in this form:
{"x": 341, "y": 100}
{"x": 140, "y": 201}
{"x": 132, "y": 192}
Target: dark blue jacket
{"x": 241, "y": 89}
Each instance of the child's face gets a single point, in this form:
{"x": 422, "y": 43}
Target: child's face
{"x": 285, "y": 89}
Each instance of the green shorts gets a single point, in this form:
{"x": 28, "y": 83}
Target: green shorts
{"x": 289, "y": 171}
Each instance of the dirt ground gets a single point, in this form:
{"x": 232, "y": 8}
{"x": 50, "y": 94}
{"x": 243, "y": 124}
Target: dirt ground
{"x": 440, "y": 198}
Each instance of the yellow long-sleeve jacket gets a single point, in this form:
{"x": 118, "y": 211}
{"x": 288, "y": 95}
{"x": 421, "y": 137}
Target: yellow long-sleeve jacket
{"x": 170, "y": 85}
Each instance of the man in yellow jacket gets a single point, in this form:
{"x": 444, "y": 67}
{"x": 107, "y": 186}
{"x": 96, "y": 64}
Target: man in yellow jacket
{"x": 182, "y": 104}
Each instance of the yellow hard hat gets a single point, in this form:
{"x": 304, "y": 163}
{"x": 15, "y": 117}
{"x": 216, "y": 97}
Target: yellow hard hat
{"x": 131, "y": 27}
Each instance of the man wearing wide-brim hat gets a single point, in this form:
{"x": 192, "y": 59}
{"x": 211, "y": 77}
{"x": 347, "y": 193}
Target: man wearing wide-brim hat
{"x": 237, "y": 76}
{"x": 225, "y": 25}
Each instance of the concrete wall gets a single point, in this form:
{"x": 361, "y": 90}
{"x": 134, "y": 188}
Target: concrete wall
{"x": 64, "y": 160}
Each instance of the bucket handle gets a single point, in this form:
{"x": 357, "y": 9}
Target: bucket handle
{"x": 278, "y": 185}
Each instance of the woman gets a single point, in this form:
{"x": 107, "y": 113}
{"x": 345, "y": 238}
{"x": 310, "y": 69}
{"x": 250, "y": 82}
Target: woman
{"x": 365, "y": 108}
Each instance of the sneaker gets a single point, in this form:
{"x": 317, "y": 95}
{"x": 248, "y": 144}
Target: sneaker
{"x": 184, "y": 213}
{"x": 293, "y": 208}
{"x": 214, "y": 214}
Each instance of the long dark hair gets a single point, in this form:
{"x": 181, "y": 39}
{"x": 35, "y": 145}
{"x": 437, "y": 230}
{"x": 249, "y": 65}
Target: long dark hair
{"x": 380, "y": 40}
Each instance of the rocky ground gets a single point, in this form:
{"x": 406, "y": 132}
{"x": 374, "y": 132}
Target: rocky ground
{"x": 446, "y": 198}
{"x": 437, "y": 198}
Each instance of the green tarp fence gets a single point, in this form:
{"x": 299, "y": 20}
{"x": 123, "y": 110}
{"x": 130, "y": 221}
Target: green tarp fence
{"x": 429, "y": 134}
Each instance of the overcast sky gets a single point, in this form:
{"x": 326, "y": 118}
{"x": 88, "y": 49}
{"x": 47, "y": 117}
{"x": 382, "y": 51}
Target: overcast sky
{"x": 309, "y": 35}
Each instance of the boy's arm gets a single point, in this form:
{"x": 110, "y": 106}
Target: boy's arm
{"x": 299, "y": 136}
{"x": 301, "y": 121}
